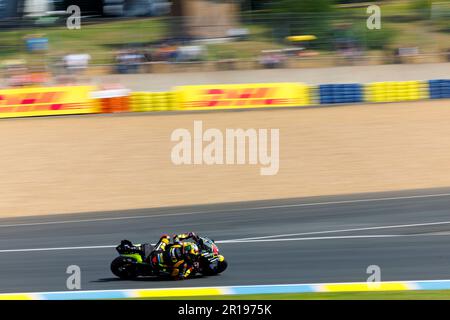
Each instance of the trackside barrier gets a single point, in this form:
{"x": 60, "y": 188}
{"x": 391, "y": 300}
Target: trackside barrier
{"x": 314, "y": 95}
{"x": 393, "y": 91}
{"x": 234, "y": 290}
{"x": 260, "y": 95}
{"x": 340, "y": 93}
{"x": 439, "y": 89}
{"x": 242, "y": 96}
{"x": 112, "y": 100}
{"x": 152, "y": 101}
{"x": 47, "y": 101}
{"x": 115, "y": 104}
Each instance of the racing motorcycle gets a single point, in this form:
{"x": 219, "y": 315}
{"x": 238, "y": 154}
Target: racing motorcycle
{"x": 135, "y": 260}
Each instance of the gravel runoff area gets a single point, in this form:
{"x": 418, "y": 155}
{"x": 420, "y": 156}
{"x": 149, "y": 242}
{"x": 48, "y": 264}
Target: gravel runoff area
{"x": 113, "y": 162}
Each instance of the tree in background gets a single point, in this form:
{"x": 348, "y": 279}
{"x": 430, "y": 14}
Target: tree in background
{"x": 297, "y": 17}
{"x": 303, "y": 6}
{"x": 254, "y": 5}
{"x": 422, "y": 7}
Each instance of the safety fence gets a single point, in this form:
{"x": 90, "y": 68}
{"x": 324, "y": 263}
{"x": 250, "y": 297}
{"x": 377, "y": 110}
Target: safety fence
{"x": 37, "y": 101}
{"x": 187, "y": 292}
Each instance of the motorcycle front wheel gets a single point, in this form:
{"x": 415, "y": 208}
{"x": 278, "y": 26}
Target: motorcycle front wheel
{"x": 222, "y": 266}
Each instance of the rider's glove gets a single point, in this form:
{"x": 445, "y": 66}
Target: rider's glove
{"x": 193, "y": 236}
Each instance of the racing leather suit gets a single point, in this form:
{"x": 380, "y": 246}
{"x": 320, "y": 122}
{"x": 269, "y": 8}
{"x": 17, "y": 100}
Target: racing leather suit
{"x": 171, "y": 258}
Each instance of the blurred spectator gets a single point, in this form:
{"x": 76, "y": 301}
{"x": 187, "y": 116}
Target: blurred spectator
{"x": 165, "y": 52}
{"x": 15, "y": 73}
{"x": 18, "y": 74}
{"x": 402, "y": 54}
{"x": 129, "y": 61}
{"x": 348, "y": 48}
{"x": 271, "y": 59}
{"x": 190, "y": 53}
{"x": 76, "y": 64}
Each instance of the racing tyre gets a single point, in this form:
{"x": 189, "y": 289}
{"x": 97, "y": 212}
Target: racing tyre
{"x": 124, "y": 268}
{"x": 222, "y": 266}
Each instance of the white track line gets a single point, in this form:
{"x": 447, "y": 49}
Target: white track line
{"x": 350, "y": 230}
{"x": 312, "y": 238}
{"x": 272, "y": 237}
{"x": 229, "y": 210}
{"x": 238, "y": 241}
{"x": 55, "y": 249}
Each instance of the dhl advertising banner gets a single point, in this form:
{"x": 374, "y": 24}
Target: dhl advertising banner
{"x": 239, "y": 96}
{"x": 46, "y": 101}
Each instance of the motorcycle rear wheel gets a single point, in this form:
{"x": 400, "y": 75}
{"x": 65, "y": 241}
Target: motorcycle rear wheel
{"x": 124, "y": 268}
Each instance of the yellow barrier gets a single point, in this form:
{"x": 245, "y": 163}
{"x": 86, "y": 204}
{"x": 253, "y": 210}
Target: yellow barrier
{"x": 151, "y": 101}
{"x": 28, "y": 102}
{"x": 241, "y": 96}
{"x": 314, "y": 95}
{"x": 396, "y": 91}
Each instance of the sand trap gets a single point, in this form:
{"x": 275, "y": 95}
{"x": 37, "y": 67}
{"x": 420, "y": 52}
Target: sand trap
{"x": 91, "y": 163}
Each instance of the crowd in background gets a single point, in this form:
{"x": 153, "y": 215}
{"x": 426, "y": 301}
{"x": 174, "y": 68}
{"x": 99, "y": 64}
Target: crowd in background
{"x": 129, "y": 60}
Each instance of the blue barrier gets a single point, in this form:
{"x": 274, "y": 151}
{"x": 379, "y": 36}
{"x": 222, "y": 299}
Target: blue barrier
{"x": 354, "y": 92}
{"x": 340, "y": 93}
{"x": 439, "y": 89}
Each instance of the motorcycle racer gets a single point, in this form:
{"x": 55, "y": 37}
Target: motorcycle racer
{"x": 178, "y": 258}
{"x": 186, "y": 259}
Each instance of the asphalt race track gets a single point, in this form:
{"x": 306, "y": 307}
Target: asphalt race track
{"x": 310, "y": 240}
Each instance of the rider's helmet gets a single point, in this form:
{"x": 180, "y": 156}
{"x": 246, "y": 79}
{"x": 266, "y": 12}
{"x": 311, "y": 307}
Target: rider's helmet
{"x": 191, "y": 250}
{"x": 165, "y": 238}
